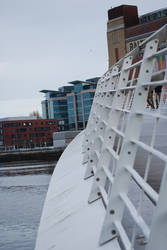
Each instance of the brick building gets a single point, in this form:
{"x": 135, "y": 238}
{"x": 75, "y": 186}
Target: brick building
{"x": 125, "y": 30}
{"x": 27, "y": 133}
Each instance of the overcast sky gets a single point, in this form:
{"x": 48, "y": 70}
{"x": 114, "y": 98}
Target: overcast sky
{"x": 47, "y": 43}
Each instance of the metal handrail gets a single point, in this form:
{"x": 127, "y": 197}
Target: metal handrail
{"x": 119, "y": 125}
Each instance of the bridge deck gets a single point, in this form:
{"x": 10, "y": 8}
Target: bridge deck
{"x": 68, "y": 222}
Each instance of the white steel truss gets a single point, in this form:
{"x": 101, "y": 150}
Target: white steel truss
{"x": 112, "y": 141}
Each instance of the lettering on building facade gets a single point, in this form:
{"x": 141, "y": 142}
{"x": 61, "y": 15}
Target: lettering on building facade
{"x": 132, "y": 45}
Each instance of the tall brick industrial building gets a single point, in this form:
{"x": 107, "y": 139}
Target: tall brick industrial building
{"x": 125, "y": 29}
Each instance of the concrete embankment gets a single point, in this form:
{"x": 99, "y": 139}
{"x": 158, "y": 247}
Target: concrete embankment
{"x": 36, "y": 155}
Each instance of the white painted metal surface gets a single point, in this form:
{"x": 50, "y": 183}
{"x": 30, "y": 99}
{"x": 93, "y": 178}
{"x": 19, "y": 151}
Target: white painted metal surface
{"x": 66, "y": 214}
{"x": 113, "y": 138}
{"x": 109, "y": 202}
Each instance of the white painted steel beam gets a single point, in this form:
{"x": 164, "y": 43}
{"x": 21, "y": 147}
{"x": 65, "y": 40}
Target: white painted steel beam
{"x": 122, "y": 140}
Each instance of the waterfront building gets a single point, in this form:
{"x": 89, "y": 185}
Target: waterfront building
{"x": 27, "y": 133}
{"x": 79, "y": 103}
{"x": 126, "y": 29}
{"x": 55, "y": 106}
{"x": 70, "y": 104}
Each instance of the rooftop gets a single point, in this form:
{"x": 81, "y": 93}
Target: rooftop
{"x": 18, "y": 118}
{"x": 89, "y": 82}
{"x": 47, "y": 90}
{"x": 76, "y": 82}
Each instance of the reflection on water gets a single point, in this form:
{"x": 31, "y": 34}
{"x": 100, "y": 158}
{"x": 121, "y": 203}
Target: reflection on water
{"x": 22, "y": 194}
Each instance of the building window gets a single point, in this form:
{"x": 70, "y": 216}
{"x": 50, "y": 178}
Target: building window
{"x": 13, "y": 124}
{"x": 117, "y": 54}
{"x": 50, "y": 122}
{"x": 42, "y": 128}
{"x": 61, "y": 122}
{"x": 115, "y": 37}
{"x": 27, "y": 123}
{"x": 164, "y": 12}
{"x": 16, "y": 136}
{"x": 21, "y": 130}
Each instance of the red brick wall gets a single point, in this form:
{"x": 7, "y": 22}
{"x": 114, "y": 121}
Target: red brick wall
{"x": 145, "y": 28}
{"x": 29, "y": 133}
{"x": 129, "y": 12}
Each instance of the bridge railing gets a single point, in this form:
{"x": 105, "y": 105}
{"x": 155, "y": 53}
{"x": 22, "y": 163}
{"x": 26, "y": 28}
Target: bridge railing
{"x": 125, "y": 140}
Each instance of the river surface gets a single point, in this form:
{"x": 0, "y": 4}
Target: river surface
{"x": 22, "y": 194}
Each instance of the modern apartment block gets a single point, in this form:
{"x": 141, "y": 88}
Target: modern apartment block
{"x": 70, "y": 104}
{"x": 27, "y": 133}
{"x": 55, "y": 106}
{"x": 126, "y": 29}
{"x": 79, "y": 103}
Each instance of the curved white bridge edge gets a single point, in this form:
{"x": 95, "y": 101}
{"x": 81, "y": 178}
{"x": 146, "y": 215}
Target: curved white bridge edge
{"x": 68, "y": 221}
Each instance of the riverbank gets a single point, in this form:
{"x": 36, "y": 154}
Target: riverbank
{"x": 30, "y": 156}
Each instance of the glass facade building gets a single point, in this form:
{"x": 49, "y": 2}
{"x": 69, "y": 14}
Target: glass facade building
{"x": 70, "y": 104}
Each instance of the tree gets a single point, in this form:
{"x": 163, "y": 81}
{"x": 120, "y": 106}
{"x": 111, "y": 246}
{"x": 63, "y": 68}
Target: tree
{"x": 36, "y": 114}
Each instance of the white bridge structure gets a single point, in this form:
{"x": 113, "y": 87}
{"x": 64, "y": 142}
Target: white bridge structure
{"x": 109, "y": 188}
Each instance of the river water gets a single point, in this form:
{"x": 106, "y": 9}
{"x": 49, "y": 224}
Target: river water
{"x": 22, "y": 194}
